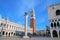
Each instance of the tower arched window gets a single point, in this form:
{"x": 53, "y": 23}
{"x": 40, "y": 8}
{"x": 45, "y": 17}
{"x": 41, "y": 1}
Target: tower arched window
{"x": 31, "y": 15}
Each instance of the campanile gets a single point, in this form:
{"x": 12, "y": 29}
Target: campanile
{"x": 32, "y": 21}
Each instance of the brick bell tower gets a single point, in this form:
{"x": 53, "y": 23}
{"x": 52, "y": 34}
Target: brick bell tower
{"x": 32, "y": 21}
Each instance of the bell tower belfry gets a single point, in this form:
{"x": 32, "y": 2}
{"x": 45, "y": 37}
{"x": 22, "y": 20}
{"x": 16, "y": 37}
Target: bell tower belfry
{"x": 32, "y": 21}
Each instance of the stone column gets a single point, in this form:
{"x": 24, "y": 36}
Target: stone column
{"x": 51, "y": 34}
{"x": 26, "y": 23}
{"x": 58, "y": 33}
{"x": 7, "y": 33}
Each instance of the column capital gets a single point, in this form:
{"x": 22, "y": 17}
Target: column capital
{"x": 25, "y": 14}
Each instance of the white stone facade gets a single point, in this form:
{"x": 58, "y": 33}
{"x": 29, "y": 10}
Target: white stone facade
{"x": 54, "y": 18}
{"x": 8, "y": 28}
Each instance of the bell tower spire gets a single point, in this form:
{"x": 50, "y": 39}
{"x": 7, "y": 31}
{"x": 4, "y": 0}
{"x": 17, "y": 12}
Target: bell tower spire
{"x": 32, "y": 21}
{"x": 32, "y": 14}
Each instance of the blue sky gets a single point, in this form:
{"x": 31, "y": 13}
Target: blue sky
{"x": 14, "y": 10}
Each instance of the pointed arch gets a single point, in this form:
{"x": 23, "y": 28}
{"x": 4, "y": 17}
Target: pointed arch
{"x": 55, "y": 33}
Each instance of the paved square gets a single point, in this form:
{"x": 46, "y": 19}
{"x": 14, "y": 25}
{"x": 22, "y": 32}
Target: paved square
{"x": 33, "y": 38}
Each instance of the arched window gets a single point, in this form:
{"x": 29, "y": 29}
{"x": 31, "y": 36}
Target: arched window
{"x": 55, "y": 33}
{"x": 3, "y": 32}
{"x": 57, "y": 12}
{"x": 55, "y": 20}
{"x": 11, "y": 32}
{"x": 14, "y": 33}
{"x": 54, "y": 24}
{"x": 52, "y": 20}
{"x": 6, "y": 33}
{"x": 51, "y": 24}
{"x": 57, "y": 23}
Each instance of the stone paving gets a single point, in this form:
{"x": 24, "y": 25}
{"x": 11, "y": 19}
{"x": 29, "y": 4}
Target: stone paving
{"x": 33, "y": 38}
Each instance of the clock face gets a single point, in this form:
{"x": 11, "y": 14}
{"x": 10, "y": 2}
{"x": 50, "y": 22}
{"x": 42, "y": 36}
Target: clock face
{"x": 58, "y": 12}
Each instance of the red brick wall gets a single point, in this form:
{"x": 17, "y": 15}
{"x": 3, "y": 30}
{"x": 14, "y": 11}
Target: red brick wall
{"x": 33, "y": 25}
